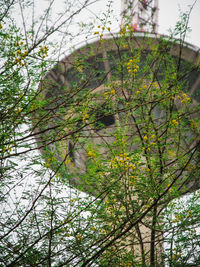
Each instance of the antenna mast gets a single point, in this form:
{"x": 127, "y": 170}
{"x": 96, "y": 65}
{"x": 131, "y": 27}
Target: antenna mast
{"x": 142, "y": 15}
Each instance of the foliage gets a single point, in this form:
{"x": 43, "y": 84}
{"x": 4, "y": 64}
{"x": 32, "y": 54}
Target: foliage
{"x": 117, "y": 119}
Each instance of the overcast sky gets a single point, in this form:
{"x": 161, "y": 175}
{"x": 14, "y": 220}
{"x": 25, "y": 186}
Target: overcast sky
{"x": 169, "y": 13}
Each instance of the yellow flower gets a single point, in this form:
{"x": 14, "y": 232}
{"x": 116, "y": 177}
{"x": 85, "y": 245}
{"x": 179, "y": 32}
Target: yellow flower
{"x": 47, "y": 165}
{"x": 112, "y": 91}
{"x": 108, "y": 28}
{"x": 103, "y": 28}
{"x": 79, "y": 237}
{"x": 171, "y": 153}
{"x": 145, "y": 137}
{"x": 185, "y": 100}
{"x": 86, "y": 116}
{"x": 67, "y": 161}
{"x": 174, "y": 122}
{"x": 91, "y": 153}
{"x": 96, "y": 33}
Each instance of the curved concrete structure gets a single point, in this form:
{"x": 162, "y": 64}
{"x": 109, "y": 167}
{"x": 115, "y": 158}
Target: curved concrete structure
{"x": 77, "y": 90}
{"x": 91, "y": 68}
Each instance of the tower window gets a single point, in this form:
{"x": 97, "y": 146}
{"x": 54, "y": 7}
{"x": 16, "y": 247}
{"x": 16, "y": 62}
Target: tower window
{"x": 103, "y": 120}
{"x": 71, "y": 152}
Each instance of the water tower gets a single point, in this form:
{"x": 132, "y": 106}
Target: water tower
{"x": 123, "y": 68}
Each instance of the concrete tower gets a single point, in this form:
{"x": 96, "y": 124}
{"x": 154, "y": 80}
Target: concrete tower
{"x": 101, "y": 69}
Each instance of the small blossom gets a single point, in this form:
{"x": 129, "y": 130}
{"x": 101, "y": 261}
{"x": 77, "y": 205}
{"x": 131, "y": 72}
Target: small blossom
{"x": 86, "y": 116}
{"x": 145, "y": 137}
{"x": 67, "y": 161}
{"x": 174, "y": 122}
{"x": 152, "y": 143}
{"x": 79, "y": 237}
{"x": 47, "y": 165}
{"x": 91, "y": 153}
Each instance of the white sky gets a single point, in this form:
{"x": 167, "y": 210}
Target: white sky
{"x": 169, "y": 11}
{"x": 169, "y": 14}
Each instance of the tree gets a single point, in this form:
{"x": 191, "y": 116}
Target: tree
{"x": 117, "y": 119}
